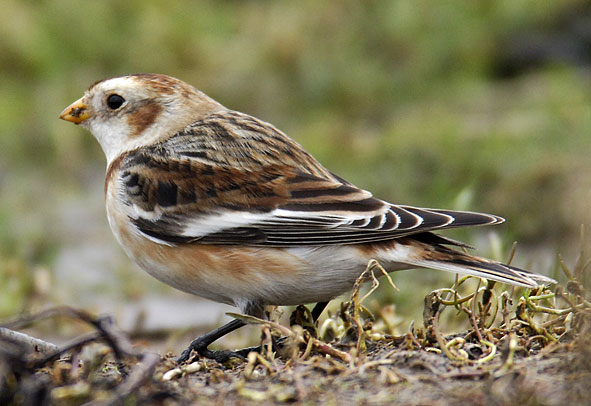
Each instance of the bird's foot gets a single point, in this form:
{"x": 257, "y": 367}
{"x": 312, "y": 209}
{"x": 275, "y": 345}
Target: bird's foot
{"x": 222, "y": 356}
{"x": 200, "y": 344}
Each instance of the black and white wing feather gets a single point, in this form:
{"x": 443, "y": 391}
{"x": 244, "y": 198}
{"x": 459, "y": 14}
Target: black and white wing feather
{"x": 232, "y": 179}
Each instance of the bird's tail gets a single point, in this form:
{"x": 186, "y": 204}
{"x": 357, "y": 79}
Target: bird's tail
{"x": 487, "y": 269}
{"x": 435, "y": 255}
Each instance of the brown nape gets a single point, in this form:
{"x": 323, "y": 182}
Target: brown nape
{"x": 162, "y": 84}
{"x": 143, "y": 117}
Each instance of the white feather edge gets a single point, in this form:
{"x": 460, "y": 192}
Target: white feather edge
{"x": 215, "y": 223}
{"x": 442, "y": 266}
{"x": 218, "y": 222}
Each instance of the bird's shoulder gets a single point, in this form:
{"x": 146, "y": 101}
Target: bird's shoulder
{"x": 233, "y": 139}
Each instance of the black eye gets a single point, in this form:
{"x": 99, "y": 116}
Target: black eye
{"x": 115, "y": 101}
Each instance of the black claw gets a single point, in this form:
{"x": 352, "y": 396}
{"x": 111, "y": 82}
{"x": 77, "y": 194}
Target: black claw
{"x": 184, "y": 355}
{"x": 222, "y": 356}
{"x": 219, "y": 356}
{"x": 200, "y": 344}
{"x": 201, "y": 348}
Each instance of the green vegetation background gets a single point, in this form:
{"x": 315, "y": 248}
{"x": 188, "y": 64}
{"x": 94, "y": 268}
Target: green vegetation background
{"x": 481, "y": 105}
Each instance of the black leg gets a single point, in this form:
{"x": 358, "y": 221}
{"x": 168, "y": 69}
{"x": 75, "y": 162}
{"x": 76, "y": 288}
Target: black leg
{"x": 316, "y": 312}
{"x": 200, "y": 344}
{"x": 318, "y": 309}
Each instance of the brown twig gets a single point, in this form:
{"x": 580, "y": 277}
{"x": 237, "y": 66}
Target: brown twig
{"x": 106, "y": 330}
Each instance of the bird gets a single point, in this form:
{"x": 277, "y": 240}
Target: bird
{"x": 225, "y": 206}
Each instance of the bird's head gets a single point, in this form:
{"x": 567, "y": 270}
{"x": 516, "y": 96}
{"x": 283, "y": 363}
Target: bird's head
{"x": 127, "y": 112}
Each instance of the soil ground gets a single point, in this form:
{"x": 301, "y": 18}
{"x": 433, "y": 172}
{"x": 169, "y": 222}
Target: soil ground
{"x": 532, "y": 349}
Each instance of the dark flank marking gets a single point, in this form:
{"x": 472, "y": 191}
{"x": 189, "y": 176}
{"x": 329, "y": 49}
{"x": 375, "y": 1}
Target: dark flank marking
{"x": 166, "y": 194}
{"x": 144, "y": 117}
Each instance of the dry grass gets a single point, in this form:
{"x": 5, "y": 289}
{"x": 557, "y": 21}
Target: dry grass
{"x": 531, "y": 348}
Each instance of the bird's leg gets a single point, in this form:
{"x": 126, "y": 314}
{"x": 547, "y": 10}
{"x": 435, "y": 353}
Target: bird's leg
{"x": 200, "y": 344}
{"x": 318, "y": 309}
{"x": 316, "y": 312}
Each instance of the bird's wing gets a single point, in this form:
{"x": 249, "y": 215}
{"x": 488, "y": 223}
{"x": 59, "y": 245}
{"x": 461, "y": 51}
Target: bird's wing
{"x": 231, "y": 179}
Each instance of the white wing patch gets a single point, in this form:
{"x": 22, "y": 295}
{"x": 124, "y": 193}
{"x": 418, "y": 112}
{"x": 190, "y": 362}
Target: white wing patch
{"x": 215, "y": 223}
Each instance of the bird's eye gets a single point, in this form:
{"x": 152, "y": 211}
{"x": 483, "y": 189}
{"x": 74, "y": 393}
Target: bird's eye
{"x": 115, "y": 101}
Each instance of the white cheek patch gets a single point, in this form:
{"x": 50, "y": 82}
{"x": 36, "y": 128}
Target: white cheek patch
{"x": 111, "y": 127}
{"x": 111, "y": 136}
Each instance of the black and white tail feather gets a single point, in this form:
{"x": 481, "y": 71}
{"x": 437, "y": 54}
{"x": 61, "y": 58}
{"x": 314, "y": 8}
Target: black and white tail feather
{"x": 435, "y": 253}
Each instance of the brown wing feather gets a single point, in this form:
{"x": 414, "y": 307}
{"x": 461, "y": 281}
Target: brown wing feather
{"x": 236, "y": 164}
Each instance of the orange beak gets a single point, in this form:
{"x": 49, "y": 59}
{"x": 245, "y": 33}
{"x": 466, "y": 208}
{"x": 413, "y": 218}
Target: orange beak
{"x": 76, "y": 112}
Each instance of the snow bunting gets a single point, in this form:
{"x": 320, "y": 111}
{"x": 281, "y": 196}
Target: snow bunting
{"x": 225, "y": 206}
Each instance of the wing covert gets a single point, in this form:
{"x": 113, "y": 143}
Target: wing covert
{"x": 237, "y": 180}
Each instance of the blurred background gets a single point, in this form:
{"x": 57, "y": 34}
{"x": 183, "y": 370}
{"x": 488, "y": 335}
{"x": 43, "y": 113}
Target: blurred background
{"x": 474, "y": 106}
